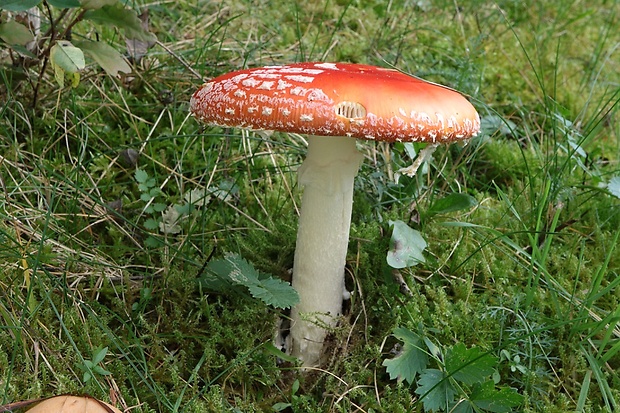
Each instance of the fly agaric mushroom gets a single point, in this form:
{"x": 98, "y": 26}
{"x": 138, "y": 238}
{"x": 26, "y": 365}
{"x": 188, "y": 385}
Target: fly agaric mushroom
{"x": 333, "y": 103}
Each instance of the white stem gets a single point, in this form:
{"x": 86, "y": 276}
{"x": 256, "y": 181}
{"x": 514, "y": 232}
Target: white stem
{"x": 327, "y": 175}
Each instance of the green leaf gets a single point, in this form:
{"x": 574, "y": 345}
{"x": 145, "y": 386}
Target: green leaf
{"x": 119, "y": 16}
{"x": 273, "y": 350}
{"x": 486, "y": 397}
{"x": 151, "y": 224}
{"x": 96, "y": 4}
{"x": 614, "y": 186}
{"x": 99, "y": 354}
{"x": 278, "y": 407}
{"x": 18, "y": 5}
{"x": 108, "y": 58}
{"x": 462, "y": 406}
{"x": 452, "y": 203}
{"x": 272, "y": 291}
{"x": 469, "y": 366}
{"x": 435, "y": 390}
{"x": 406, "y": 246}
{"x": 15, "y": 33}
{"x": 141, "y": 176}
{"x": 66, "y": 59}
{"x": 411, "y": 361}
{"x": 64, "y": 4}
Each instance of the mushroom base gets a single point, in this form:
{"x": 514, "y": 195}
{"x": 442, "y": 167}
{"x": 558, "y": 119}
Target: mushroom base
{"x": 327, "y": 176}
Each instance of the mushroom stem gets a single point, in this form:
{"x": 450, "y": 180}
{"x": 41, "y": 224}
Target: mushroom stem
{"x": 327, "y": 176}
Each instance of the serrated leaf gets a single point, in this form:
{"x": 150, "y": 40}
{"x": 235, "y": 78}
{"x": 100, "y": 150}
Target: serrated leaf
{"x": 485, "y": 396}
{"x": 64, "y": 4}
{"x": 141, "y": 176}
{"x": 151, "y": 224}
{"x": 274, "y": 292}
{"x": 158, "y": 206}
{"x": 614, "y": 186}
{"x": 124, "y": 18}
{"x": 435, "y": 390}
{"x": 469, "y": 366}
{"x": 96, "y": 4}
{"x": 235, "y": 268}
{"x": 18, "y": 5}
{"x": 271, "y": 291}
{"x": 153, "y": 242}
{"x": 170, "y": 219}
{"x": 108, "y": 58}
{"x": 406, "y": 246}
{"x": 411, "y": 361}
{"x": 452, "y": 203}
{"x": 15, "y": 33}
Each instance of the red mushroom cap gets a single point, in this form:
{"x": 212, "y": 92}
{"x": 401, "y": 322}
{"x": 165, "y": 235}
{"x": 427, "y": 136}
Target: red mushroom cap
{"x": 337, "y": 99}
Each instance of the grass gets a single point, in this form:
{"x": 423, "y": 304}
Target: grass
{"x": 530, "y": 274}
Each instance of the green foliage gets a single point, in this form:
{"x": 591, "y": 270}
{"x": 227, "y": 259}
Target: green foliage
{"x": 462, "y": 382}
{"x": 92, "y": 367}
{"x": 64, "y": 18}
{"x": 411, "y": 361}
{"x": 93, "y": 256}
{"x": 406, "y": 246}
{"x": 451, "y": 203}
{"x": 233, "y": 270}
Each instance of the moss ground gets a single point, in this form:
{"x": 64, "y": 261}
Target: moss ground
{"x": 530, "y": 274}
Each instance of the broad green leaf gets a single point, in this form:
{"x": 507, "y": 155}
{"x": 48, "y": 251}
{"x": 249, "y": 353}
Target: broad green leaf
{"x": 469, "y": 366}
{"x": 614, "y": 186}
{"x": 124, "y": 18}
{"x": 15, "y": 33}
{"x": 411, "y": 361}
{"x": 66, "y": 59}
{"x": 18, "y": 5}
{"x": 96, "y": 4}
{"x": 406, "y": 246}
{"x": 486, "y": 397}
{"x": 99, "y": 354}
{"x": 64, "y": 4}
{"x": 452, "y": 203}
{"x": 462, "y": 406}
{"x": 435, "y": 390}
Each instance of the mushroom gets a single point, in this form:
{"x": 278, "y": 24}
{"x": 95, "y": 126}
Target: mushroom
{"x": 333, "y": 103}
{"x": 73, "y": 404}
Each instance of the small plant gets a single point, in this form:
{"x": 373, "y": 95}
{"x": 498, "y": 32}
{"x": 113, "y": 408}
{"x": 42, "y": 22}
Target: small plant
{"x": 150, "y": 194}
{"x": 464, "y": 380}
{"x": 91, "y": 368}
